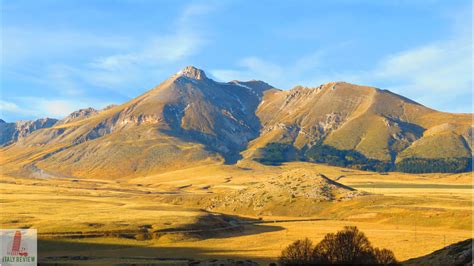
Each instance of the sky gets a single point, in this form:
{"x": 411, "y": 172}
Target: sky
{"x": 60, "y": 56}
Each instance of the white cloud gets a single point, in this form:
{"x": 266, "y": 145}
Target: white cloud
{"x": 158, "y": 51}
{"x": 250, "y": 68}
{"x": 84, "y": 61}
{"x": 42, "y": 107}
{"x": 439, "y": 67}
{"x": 20, "y": 45}
{"x": 9, "y": 107}
{"x": 281, "y": 75}
{"x": 60, "y": 77}
{"x": 183, "y": 41}
{"x": 437, "y": 74}
{"x": 57, "y": 108}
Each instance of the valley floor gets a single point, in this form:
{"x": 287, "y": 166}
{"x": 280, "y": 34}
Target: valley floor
{"x": 178, "y": 216}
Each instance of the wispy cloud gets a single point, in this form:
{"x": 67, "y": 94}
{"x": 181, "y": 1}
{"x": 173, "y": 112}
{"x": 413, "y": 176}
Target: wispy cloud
{"x": 250, "y": 68}
{"x": 283, "y": 75}
{"x": 184, "y": 40}
{"x": 20, "y": 45}
{"x": 38, "y": 107}
{"x": 6, "y": 106}
{"x": 438, "y": 74}
{"x": 81, "y": 63}
{"x": 438, "y": 67}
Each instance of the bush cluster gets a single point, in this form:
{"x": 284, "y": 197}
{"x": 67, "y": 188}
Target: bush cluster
{"x": 349, "y": 246}
{"x": 275, "y": 153}
{"x": 444, "y": 165}
{"x": 345, "y": 158}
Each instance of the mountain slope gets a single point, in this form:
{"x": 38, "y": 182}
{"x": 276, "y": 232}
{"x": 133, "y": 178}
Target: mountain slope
{"x": 190, "y": 119}
{"x": 456, "y": 254}
{"x": 377, "y": 125}
{"x": 187, "y": 119}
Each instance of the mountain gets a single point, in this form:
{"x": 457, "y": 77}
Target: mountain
{"x": 374, "y": 127}
{"x": 12, "y": 132}
{"x": 186, "y": 120}
{"x": 190, "y": 119}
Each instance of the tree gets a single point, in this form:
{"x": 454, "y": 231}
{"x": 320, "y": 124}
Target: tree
{"x": 440, "y": 165}
{"x": 349, "y": 246}
{"x": 298, "y": 253}
{"x": 384, "y": 257}
{"x": 275, "y": 153}
{"x": 345, "y": 158}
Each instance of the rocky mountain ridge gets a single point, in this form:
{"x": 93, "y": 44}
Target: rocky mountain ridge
{"x": 191, "y": 119}
{"x": 12, "y": 132}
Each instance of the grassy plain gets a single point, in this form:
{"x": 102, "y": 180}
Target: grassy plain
{"x": 173, "y": 217}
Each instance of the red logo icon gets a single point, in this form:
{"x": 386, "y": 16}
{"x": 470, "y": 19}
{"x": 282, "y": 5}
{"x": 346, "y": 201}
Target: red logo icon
{"x": 16, "y": 245}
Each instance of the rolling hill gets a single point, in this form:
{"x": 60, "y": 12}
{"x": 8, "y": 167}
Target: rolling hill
{"x": 190, "y": 119}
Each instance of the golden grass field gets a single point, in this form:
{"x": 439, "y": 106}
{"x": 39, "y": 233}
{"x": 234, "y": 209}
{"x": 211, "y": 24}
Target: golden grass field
{"x": 106, "y": 220}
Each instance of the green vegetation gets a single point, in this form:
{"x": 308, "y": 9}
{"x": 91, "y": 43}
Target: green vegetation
{"x": 275, "y": 153}
{"x": 345, "y": 158}
{"x": 348, "y": 247}
{"x": 442, "y": 165}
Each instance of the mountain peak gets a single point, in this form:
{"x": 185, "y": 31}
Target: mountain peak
{"x": 192, "y": 72}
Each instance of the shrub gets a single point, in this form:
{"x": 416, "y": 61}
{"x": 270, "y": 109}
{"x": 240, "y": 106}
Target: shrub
{"x": 384, "y": 257}
{"x": 349, "y": 246}
{"x": 298, "y": 253}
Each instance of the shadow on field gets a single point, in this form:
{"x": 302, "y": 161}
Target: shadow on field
{"x": 217, "y": 225}
{"x": 151, "y": 247}
{"x": 208, "y": 226}
{"x": 58, "y": 252}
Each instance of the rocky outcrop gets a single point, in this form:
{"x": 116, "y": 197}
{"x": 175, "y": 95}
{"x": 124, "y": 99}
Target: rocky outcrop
{"x": 78, "y": 115}
{"x": 11, "y": 132}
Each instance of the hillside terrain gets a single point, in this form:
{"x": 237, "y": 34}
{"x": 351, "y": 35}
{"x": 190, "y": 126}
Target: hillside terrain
{"x": 456, "y": 254}
{"x": 190, "y": 119}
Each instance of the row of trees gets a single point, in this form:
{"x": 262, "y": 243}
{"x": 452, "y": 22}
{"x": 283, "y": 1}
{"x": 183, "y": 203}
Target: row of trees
{"x": 345, "y": 158}
{"x": 349, "y": 246}
{"x": 275, "y": 153}
{"x": 445, "y": 165}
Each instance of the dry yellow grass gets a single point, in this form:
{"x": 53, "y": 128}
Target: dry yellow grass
{"x": 410, "y": 214}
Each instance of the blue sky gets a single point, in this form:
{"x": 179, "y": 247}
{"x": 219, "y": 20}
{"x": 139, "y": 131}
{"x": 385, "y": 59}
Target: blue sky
{"x": 59, "y": 56}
